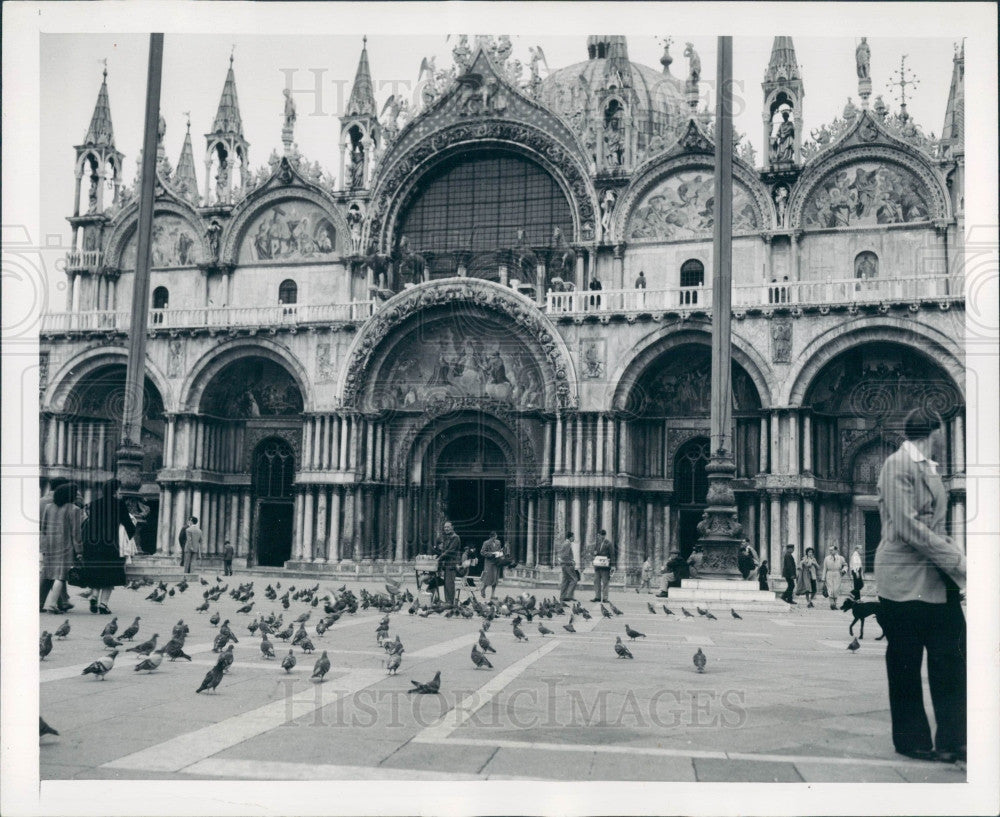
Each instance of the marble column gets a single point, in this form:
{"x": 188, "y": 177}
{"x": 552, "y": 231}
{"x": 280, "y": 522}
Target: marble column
{"x": 400, "y": 496}
{"x": 807, "y": 465}
{"x": 623, "y": 533}
{"x": 559, "y": 444}
{"x": 307, "y": 524}
{"x": 370, "y": 451}
{"x": 163, "y": 521}
{"x": 578, "y": 446}
{"x": 593, "y": 523}
{"x": 540, "y": 285}
{"x": 333, "y": 545}
{"x": 530, "y": 540}
{"x": 600, "y": 444}
{"x": 958, "y": 444}
{"x": 774, "y": 531}
{"x": 958, "y": 523}
{"x": 180, "y": 517}
{"x": 344, "y": 432}
{"x": 794, "y": 503}
{"x": 808, "y": 536}
{"x": 559, "y": 520}
{"x": 347, "y": 536}
{"x": 763, "y": 541}
{"x": 774, "y": 460}
{"x": 547, "y": 449}
{"x": 297, "y": 524}
{"x": 793, "y": 442}
{"x": 764, "y": 446}
{"x": 243, "y": 546}
{"x": 233, "y": 528}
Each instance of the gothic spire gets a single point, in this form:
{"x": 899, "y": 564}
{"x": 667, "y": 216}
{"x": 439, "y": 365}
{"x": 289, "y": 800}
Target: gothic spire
{"x": 362, "y": 101}
{"x": 783, "y": 67}
{"x": 186, "y": 179}
{"x": 100, "y": 131}
{"x": 614, "y": 49}
{"x": 227, "y": 118}
{"x": 953, "y": 132}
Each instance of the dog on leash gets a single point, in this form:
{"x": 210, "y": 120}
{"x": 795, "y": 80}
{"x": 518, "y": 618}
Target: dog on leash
{"x": 861, "y": 610}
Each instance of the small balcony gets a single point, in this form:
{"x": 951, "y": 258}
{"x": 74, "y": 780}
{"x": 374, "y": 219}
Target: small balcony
{"x": 81, "y": 261}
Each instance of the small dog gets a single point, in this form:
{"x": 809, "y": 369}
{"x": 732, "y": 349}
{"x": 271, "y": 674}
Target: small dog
{"x": 861, "y": 610}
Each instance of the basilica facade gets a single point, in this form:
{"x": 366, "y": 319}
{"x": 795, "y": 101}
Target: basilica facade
{"x": 499, "y": 312}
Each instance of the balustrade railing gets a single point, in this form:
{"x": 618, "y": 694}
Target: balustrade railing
{"x": 88, "y": 259}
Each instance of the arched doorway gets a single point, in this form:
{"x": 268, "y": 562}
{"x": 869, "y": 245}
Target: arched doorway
{"x": 690, "y": 491}
{"x": 274, "y": 501}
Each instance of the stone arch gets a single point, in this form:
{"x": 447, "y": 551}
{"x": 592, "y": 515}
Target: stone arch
{"x": 366, "y": 352}
{"x": 212, "y": 362}
{"x": 661, "y": 169}
{"x": 257, "y": 202}
{"x": 398, "y": 178}
{"x": 910, "y": 161}
{"x": 76, "y": 369}
{"x": 127, "y": 222}
{"x": 931, "y": 343}
{"x": 643, "y": 354}
{"x": 870, "y": 438}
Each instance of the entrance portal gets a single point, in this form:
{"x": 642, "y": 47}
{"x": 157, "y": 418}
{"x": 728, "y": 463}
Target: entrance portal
{"x": 274, "y": 536}
{"x": 476, "y": 507}
{"x": 273, "y": 480}
{"x": 873, "y": 534}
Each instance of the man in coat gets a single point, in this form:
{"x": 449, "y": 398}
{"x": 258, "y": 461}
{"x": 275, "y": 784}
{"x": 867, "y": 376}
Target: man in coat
{"x": 857, "y": 572}
{"x": 920, "y": 575}
{"x": 192, "y": 543}
{"x": 567, "y": 561}
{"x": 449, "y": 548}
{"x": 788, "y": 572}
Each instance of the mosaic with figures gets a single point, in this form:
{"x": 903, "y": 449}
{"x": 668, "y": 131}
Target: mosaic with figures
{"x": 289, "y": 231}
{"x": 864, "y": 195}
{"x": 175, "y": 244}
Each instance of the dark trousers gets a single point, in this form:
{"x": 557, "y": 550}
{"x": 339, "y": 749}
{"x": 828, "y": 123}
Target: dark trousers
{"x": 449, "y": 583}
{"x": 568, "y": 586}
{"x": 602, "y": 581}
{"x": 227, "y": 566}
{"x": 910, "y": 628}
{"x": 790, "y": 590}
{"x": 188, "y": 560}
{"x": 859, "y": 582}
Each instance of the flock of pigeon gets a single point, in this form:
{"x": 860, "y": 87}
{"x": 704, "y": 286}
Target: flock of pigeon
{"x": 520, "y": 610}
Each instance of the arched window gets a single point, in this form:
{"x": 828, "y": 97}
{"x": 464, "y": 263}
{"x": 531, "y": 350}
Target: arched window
{"x": 273, "y": 470}
{"x": 866, "y": 265}
{"x": 692, "y": 275}
{"x": 690, "y": 477}
{"x": 161, "y": 300}
{"x": 288, "y": 292}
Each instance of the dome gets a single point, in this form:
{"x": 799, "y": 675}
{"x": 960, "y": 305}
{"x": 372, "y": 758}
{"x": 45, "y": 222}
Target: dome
{"x": 574, "y": 92}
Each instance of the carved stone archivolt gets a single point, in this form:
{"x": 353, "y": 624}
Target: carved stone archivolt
{"x": 478, "y": 293}
{"x": 255, "y": 435}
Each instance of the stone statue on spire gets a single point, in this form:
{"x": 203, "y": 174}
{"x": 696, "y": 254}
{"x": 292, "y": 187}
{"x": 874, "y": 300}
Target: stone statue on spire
{"x": 288, "y": 129}
{"x": 862, "y": 56}
{"x": 694, "y": 62}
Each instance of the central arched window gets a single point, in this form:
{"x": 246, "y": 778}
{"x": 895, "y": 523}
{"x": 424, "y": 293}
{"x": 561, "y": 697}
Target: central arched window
{"x": 161, "y": 299}
{"x": 690, "y": 476}
{"x": 273, "y": 470}
{"x": 692, "y": 275}
{"x": 288, "y": 292}
{"x": 476, "y": 203}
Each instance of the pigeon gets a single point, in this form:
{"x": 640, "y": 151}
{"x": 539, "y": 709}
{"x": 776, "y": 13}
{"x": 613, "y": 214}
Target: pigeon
{"x": 111, "y": 642}
{"x": 285, "y": 634}
{"x": 129, "y": 632}
{"x": 300, "y": 635}
{"x": 668, "y": 611}
{"x": 686, "y": 613}
{"x": 214, "y": 620}
{"x": 102, "y": 666}
{"x": 651, "y": 608}
{"x": 175, "y": 649}
{"x": 44, "y": 729}
{"x": 621, "y": 649}
{"x": 246, "y": 608}
{"x": 605, "y": 612}
{"x": 180, "y": 630}
{"x": 735, "y": 614}
{"x": 321, "y": 627}
{"x": 484, "y": 642}
{"x": 149, "y": 664}
{"x": 182, "y": 585}
{"x": 394, "y": 647}
{"x": 306, "y": 645}
{"x": 614, "y": 609}
{"x": 110, "y": 628}
{"x": 568, "y": 627}
{"x": 170, "y": 592}
{"x": 322, "y": 666}
{"x": 633, "y": 634}
{"x": 519, "y": 634}
{"x": 393, "y": 663}
{"x": 203, "y": 581}
{"x": 288, "y": 662}
{"x": 700, "y": 611}
{"x": 700, "y": 660}
{"x": 212, "y": 679}
{"x": 708, "y": 614}
{"x": 226, "y": 659}
{"x": 854, "y": 646}
{"x": 63, "y": 630}
{"x": 432, "y": 687}
{"x": 266, "y": 647}
{"x": 479, "y": 659}
{"x": 201, "y": 608}
{"x": 146, "y": 647}
{"x": 220, "y": 642}
{"x": 543, "y": 629}
{"x": 228, "y": 633}
{"x": 303, "y": 618}
{"x": 44, "y": 644}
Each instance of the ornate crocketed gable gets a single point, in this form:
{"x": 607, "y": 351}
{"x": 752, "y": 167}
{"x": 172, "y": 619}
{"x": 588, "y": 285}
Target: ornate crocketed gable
{"x": 480, "y": 107}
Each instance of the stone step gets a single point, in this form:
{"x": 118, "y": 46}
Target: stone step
{"x": 721, "y": 584}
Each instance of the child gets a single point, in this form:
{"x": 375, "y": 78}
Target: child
{"x": 227, "y": 558}
{"x": 762, "y": 575}
{"x": 646, "y": 578}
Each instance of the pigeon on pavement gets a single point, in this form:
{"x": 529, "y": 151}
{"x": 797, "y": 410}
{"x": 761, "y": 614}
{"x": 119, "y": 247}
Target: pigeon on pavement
{"x": 285, "y": 634}
{"x": 212, "y": 679}
{"x": 605, "y": 612}
{"x": 214, "y": 619}
{"x": 700, "y": 660}
{"x": 306, "y": 645}
{"x": 246, "y": 608}
{"x": 708, "y": 614}
{"x": 201, "y": 608}
{"x": 44, "y": 729}
{"x": 102, "y": 666}
{"x": 174, "y": 649}
{"x": 484, "y": 642}
{"x": 686, "y": 613}
{"x": 229, "y": 633}
{"x": 63, "y": 630}
{"x": 700, "y": 611}
{"x": 289, "y": 661}
{"x": 393, "y": 663}
{"x": 220, "y": 642}
{"x": 668, "y": 611}
{"x": 111, "y": 642}
{"x": 266, "y": 647}
{"x": 432, "y": 687}
{"x": 479, "y": 659}
{"x": 226, "y": 659}
{"x": 149, "y": 664}
{"x": 614, "y": 609}
{"x": 44, "y": 644}
{"x": 146, "y": 647}
{"x": 519, "y": 634}
{"x": 568, "y": 627}
{"x": 322, "y": 666}
{"x": 735, "y": 614}
{"x": 180, "y": 630}
{"x": 110, "y": 628}
{"x": 129, "y": 632}
{"x": 651, "y": 608}
{"x": 621, "y": 649}
{"x": 543, "y": 629}
{"x": 633, "y": 634}
{"x": 854, "y": 646}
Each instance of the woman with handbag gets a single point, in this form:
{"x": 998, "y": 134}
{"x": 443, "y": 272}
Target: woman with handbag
{"x": 61, "y": 542}
{"x": 104, "y": 565}
{"x": 808, "y": 574}
{"x": 834, "y": 570}
{"x": 604, "y": 554}
{"x": 494, "y": 555}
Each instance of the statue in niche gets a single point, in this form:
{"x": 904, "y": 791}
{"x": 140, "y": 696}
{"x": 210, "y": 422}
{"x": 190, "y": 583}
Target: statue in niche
{"x": 357, "y": 168}
{"x": 614, "y": 136}
{"x": 607, "y": 206}
{"x": 780, "y": 201}
{"x": 783, "y": 142}
{"x": 862, "y": 56}
{"x": 222, "y": 181}
{"x": 781, "y": 335}
{"x": 213, "y": 232}
{"x": 354, "y": 220}
{"x": 92, "y": 194}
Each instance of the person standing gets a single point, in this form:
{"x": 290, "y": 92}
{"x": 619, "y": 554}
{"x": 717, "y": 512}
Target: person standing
{"x": 834, "y": 569}
{"x": 920, "y": 573}
{"x": 493, "y": 553}
{"x": 646, "y": 576}
{"x": 762, "y": 575}
{"x": 808, "y": 575}
{"x": 788, "y": 572}
{"x": 62, "y": 543}
{"x": 182, "y": 539}
{"x": 747, "y": 560}
{"x": 192, "y": 543}
{"x": 695, "y": 561}
{"x": 569, "y": 573}
{"x": 595, "y": 286}
{"x": 45, "y": 501}
{"x": 449, "y": 548}
{"x": 105, "y": 566}
{"x": 857, "y": 572}
{"x": 227, "y": 558}
{"x": 604, "y": 557}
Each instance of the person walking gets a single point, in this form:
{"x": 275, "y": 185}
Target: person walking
{"x": 105, "y": 566}
{"x": 449, "y": 548}
{"x": 604, "y": 558}
{"x": 834, "y": 570}
{"x": 762, "y": 575}
{"x": 227, "y": 558}
{"x": 857, "y": 572}
{"x": 808, "y": 575}
{"x": 45, "y": 586}
{"x": 62, "y": 543}
{"x": 646, "y": 577}
{"x": 493, "y": 554}
{"x": 182, "y": 539}
{"x": 788, "y": 572}
{"x": 192, "y": 543}
{"x": 920, "y": 573}
{"x": 567, "y": 561}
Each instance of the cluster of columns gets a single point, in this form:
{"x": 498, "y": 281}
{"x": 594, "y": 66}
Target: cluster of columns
{"x": 224, "y": 512}
{"x": 91, "y": 292}
{"x": 87, "y": 445}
